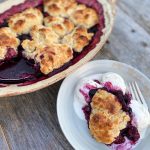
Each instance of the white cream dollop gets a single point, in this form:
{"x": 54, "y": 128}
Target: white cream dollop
{"x": 82, "y": 86}
{"x": 142, "y": 116}
{"x": 115, "y": 79}
{"x": 79, "y": 98}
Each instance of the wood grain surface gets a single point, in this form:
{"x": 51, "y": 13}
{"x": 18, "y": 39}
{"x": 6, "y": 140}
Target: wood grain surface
{"x": 30, "y": 121}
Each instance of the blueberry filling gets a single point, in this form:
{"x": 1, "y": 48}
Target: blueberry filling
{"x": 120, "y": 139}
{"x": 130, "y": 131}
{"x": 87, "y": 112}
{"x": 24, "y": 37}
{"x": 93, "y": 29}
{"x": 10, "y": 55}
{"x": 4, "y": 24}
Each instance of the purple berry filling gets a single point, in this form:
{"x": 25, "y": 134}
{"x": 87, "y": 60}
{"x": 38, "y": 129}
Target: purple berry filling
{"x": 11, "y": 53}
{"x": 87, "y": 112}
{"x": 130, "y": 131}
{"x": 120, "y": 139}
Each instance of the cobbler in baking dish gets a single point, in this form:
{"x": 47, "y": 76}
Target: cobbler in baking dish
{"x": 42, "y": 38}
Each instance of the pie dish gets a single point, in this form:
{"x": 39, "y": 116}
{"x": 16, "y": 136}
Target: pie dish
{"x": 77, "y": 121}
{"x": 50, "y": 39}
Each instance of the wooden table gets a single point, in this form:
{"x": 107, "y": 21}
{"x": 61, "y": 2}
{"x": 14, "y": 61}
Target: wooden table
{"x": 30, "y": 121}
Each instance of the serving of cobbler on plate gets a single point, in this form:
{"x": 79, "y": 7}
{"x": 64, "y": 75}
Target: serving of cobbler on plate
{"x": 40, "y": 39}
{"x": 112, "y": 116}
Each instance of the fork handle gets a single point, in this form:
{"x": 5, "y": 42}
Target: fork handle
{"x": 113, "y": 5}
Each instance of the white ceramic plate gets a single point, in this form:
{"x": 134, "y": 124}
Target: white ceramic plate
{"x": 75, "y": 129}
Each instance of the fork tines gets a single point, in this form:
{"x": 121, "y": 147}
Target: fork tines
{"x": 136, "y": 93}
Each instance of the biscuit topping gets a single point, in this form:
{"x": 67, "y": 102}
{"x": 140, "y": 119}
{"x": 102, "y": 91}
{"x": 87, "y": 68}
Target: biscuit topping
{"x": 59, "y": 7}
{"x": 49, "y": 57}
{"x": 22, "y": 23}
{"x": 107, "y": 118}
{"x": 84, "y": 16}
{"x": 60, "y": 25}
{"x": 78, "y": 39}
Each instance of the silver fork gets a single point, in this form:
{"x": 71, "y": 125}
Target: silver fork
{"x": 136, "y": 93}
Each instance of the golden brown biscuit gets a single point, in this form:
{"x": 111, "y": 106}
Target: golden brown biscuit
{"x": 40, "y": 35}
{"x": 44, "y": 35}
{"x": 7, "y": 40}
{"x": 61, "y": 26}
{"x": 43, "y": 48}
{"x": 49, "y": 57}
{"x": 107, "y": 117}
{"x": 29, "y": 47}
{"x": 105, "y": 100}
{"x": 22, "y": 22}
{"x": 84, "y": 16}
{"x": 78, "y": 39}
{"x": 55, "y": 56}
{"x": 59, "y": 7}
